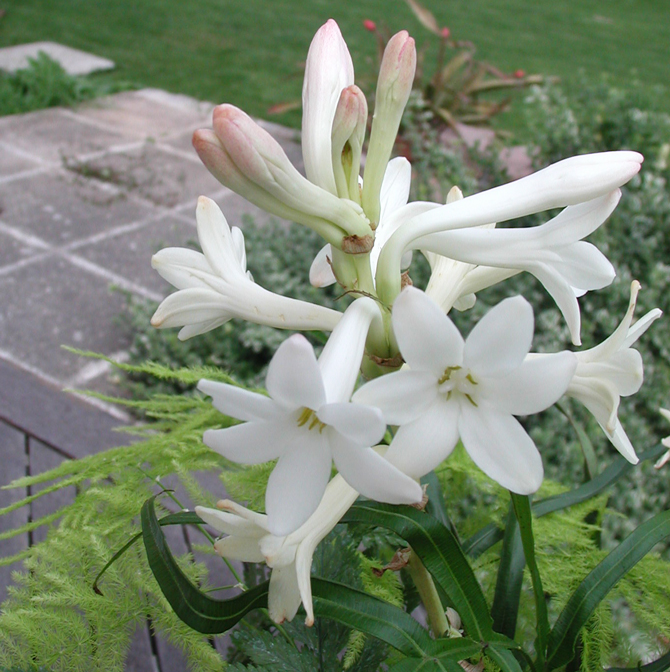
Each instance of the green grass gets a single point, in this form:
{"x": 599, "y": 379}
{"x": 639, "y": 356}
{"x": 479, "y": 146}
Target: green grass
{"x": 249, "y": 52}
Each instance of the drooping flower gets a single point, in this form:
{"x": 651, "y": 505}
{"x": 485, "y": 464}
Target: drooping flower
{"x": 215, "y": 286}
{"x": 307, "y": 422}
{"x": 290, "y": 557}
{"x": 612, "y": 370}
{"x": 469, "y": 389}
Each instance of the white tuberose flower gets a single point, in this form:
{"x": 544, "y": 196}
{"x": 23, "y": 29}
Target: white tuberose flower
{"x": 612, "y": 370}
{"x": 290, "y": 557}
{"x": 307, "y": 422}
{"x": 469, "y": 389}
{"x": 215, "y": 286}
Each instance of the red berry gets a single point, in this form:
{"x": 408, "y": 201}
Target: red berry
{"x": 519, "y": 74}
{"x": 370, "y": 25}
{"x": 446, "y": 33}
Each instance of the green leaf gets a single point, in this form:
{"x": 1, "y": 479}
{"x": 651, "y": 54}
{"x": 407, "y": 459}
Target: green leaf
{"x": 436, "y": 506}
{"x": 505, "y": 609}
{"x": 370, "y": 615}
{"x": 199, "y": 611}
{"x": 481, "y": 541}
{"x": 598, "y": 583}
{"x": 662, "y": 664}
{"x": 524, "y": 517}
{"x": 442, "y": 555}
{"x": 590, "y": 459}
{"x": 426, "y": 665}
{"x": 504, "y": 658}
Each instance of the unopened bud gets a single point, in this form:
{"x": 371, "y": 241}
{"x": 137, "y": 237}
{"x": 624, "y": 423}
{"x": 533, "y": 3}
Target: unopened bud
{"x": 369, "y": 25}
{"x": 394, "y": 85}
{"x": 519, "y": 74}
{"x": 445, "y": 33}
{"x": 347, "y": 141}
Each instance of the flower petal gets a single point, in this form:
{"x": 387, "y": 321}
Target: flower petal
{"x": 401, "y": 396}
{"x": 419, "y": 446}
{"x": 298, "y": 482}
{"x": 229, "y": 523}
{"x": 237, "y": 402}
{"x": 427, "y": 338}
{"x": 251, "y": 442}
{"x": 395, "y": 186}
{"x": 501, "y": 339}
{"x": 191, "y": 306}
{"x": 294, "y": 379}
{"x": 364, "y": 425}
{"x": 537, "y": 384}
{"x": 328, "y": 70}
{"x": 175, "y": 264}
{"x": 501, "y": 448}
{"x": 243, "y": 549}
{"x": 216, "y": 239}
{"x": 373, "y": 476}
{"x": 284, "y": 596}
{"x": 321, "y": 272}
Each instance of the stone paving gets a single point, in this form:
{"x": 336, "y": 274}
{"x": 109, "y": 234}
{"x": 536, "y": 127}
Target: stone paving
{"x": 87, "y": 195}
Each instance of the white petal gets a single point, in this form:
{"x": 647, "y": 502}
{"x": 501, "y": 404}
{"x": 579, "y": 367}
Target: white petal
{"x": 501, "y": 448}
{"x": 216, "y": 239}
{"x": 641, "y": 326}
{"x": 237, "y": 402}
{"x": 251, "y": 442}
{"x": 364, "y": 425}
{"x": 191, "y": 330}
{"x": 190, "y": 306}
{"x": 623, "y": 369}
{"x": 600, "y": 397}
{"x": 373, "y": 476}
{"x": 321, "y": 272}
{"x": 297, "y": 483}
{"x": 501, "y": 339}
{"x": 294, "y": 379}
{"x": 229, "y": 523}
{"x": 622, "y": 443}
{"x": 395, "y": 186}
{"x": 419, "y": 446}
{"x": 238, "y": 246}
{"x": 401, "y": 396}
{"x": 175, "y": 264}
{"x": 328, "y": 70}
{"x": 284, "y": 596}
{"x": 537, "y": 384}
{"x": 427, "y": 338}
{"x": 243, "y": 549}
{"x": 341, "y": 357}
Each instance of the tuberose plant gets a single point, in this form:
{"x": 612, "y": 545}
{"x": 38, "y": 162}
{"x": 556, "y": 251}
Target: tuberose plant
{"x": 437, "y": 409}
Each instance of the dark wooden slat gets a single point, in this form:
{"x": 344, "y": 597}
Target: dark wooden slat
{"x": 14, "y": 464}
{"x": 140, "y": 656}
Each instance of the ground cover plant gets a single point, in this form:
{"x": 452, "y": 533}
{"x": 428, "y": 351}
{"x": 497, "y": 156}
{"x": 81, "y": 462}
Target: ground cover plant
{"x": 208, "y": 49}
{"x": 455, "y": 495}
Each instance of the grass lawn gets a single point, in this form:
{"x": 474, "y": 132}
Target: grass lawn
{"x": 249, "y": 52}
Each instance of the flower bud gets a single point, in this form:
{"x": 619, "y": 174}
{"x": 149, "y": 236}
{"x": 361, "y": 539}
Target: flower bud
{"x": 347, "y": 141}
{"x": 394, "y": 85}
{"x": 369, "y": 25}
{"x": 519, "y": 74}
{"x": 445, "y": 33}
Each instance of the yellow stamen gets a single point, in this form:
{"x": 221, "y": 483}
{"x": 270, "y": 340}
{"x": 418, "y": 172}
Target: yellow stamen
{"x": 308, "y": 415}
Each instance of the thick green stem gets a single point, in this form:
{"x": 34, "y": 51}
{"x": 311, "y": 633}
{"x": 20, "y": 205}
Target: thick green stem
{"x": 428, "y": 594}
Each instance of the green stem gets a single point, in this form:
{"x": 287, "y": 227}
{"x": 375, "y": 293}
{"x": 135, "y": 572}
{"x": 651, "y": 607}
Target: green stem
{"x": 428, "y": 594}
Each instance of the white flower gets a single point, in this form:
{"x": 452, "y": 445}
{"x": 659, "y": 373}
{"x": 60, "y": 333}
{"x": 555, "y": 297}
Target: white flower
{"x": 664, "y": 459}
{"x": 290, "y": 557}
{"x": 467, "y": 389}
{"x": 612, "y": 370}
{"x": 553, "y": 252}
{"x": 215, "y": 286}
{"x": 307, "y": 422}
{"x": 570, "y": 182}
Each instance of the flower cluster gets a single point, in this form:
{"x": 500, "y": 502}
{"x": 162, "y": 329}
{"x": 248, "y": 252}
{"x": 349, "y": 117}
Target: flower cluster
{"x": 428, "y": 387}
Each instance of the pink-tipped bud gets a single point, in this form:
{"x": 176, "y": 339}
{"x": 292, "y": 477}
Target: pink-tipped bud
{"x": 351, "y": 114}
{"x": 369, "y": 25}
{"x": 445, "y": 33}
{"x": 396, "y": 73}
{"x": 519, "y": 74}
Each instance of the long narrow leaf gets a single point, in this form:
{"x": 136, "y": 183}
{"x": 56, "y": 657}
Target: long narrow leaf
{"x": 371, "y": 615}
{"x": 505, "y": 609}
{"x": 440, "y": 552}
{"x": 481, "y": 541}
{"x": 504, "y": 658}
{"x": 426, "y": 665}
{"x": 436, "y": 505}
{"x": 524, "y": 517}
{"x": 598, "y": 583}
{"x": 199, "y": 611}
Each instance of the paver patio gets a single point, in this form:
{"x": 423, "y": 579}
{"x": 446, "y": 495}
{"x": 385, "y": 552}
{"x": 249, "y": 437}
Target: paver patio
{"x": 86, "y": 197}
